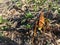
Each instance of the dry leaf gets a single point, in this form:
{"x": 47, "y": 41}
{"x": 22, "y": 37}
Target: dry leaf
{"x": 41, "y": 21}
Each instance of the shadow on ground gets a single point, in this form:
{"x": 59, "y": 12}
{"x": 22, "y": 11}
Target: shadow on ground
{"x": 7, "y": 41}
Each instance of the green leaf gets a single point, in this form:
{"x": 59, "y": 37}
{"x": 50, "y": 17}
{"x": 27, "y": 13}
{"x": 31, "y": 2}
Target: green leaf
{"x": 35, "y": 8}
{"x": 18, "y": 4}
{"x": 5, "y": 20}
{"x": 59, "y": 10}
{"x": 53, "y": 9}
{"x": 4, "y": 28}
{"x": 29, "y": 15}
{"x": 0, "y": 34}
{"x": 23, "y": 21}
{"x": 28, "y": 26}
{"x": 27, "y": 1}
{"x": 14, "y": 0}
{"x": 1, "y": 19}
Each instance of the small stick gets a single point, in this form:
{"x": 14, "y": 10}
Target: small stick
{"x": 35, "y": 33}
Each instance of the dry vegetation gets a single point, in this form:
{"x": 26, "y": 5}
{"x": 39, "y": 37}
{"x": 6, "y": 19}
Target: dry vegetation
{"x": 29, "y": 22}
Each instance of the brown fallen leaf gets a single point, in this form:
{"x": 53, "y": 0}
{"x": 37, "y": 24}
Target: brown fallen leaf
{"x": 41, "y": 21}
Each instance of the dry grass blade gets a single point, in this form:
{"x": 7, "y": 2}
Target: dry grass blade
{"x": 35, "y": 28}
{"x": 35, "y": 33}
